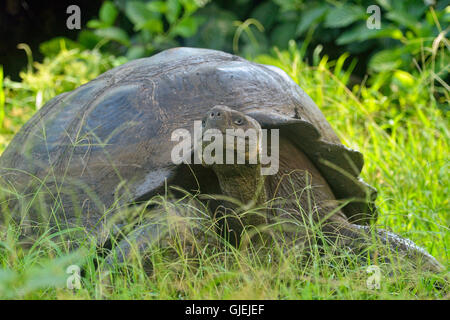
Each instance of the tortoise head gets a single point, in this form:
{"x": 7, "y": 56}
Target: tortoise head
{"x": 236, "y": 136}
{"x": 234, "y": 155}
{"x": 223, "y": 118}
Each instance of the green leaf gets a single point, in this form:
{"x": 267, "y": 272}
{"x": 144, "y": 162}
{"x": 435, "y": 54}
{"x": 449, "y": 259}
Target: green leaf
{"x": 2, "y": 100}
{"x": 355, "y": 34}
{"x": 343, "y": 16}
{"x": 139, "y": 13}
{"x": 114, "y": 33}
{"x": 135, "y": 52}
{"x": 446, "y": 17}
{"x": 108, "y": 13}
{"x": 96, "y": 24}
{"x": 152, "y": 25}
{"x": 403, "y": 19}
{"x": 282, "y": 33}
{"x": 309, "y": 17}
{"x": 404, "y": 78}
{"x": 173, "y": 10}
{"x": 157, "y": 6}
{"x": 386, "y": 4}
{"x": 52, "y": 47}
{"x": 88, "y": 39}
{"x": 266, "y": 13}
{"x": 190, "y": 6}
{"x": 187, "y": 27}
{"x": 361, "y": 33}
{"x": 386, "y": 60}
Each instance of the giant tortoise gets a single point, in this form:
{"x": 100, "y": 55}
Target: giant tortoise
{"x": 109, "y": 144}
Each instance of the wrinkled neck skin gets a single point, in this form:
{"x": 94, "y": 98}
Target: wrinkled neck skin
{"x": 243, "y": 183}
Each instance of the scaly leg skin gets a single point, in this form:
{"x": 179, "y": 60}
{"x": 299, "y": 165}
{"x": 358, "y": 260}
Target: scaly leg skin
{"x": 359, "y": 238}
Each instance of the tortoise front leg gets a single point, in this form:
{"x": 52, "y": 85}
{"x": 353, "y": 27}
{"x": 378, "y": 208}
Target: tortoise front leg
{"x": 173, "y": 231}
{"x": 135, "y": 244}
{"x": 361, "y": 238}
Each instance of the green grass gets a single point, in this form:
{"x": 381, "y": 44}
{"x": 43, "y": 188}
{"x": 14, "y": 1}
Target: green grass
{"x": 404, "y": 137}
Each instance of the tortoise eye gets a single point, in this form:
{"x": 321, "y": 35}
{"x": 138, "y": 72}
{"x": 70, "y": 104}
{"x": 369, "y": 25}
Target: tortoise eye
{"x": 238, "y": 121}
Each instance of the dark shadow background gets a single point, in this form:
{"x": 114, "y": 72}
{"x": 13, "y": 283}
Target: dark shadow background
{"x": 33, "y": 22}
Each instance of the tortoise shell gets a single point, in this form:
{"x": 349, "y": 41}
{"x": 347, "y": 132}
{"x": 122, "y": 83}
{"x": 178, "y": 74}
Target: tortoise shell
{"x": 114, "y": 132}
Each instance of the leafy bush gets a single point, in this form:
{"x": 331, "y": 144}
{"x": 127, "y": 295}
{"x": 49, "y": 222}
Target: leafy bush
{"x": 156, "y": 25}
{"x": 413, "y": 33}
{"x": 412, "y": 38}
{"x": 65, "y": 68}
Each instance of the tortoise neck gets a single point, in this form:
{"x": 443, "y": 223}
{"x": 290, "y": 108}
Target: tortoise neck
{"x": 243, "y": 183}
